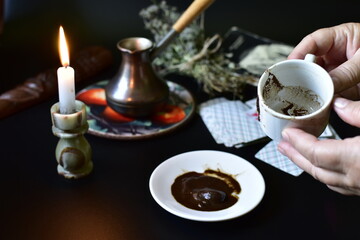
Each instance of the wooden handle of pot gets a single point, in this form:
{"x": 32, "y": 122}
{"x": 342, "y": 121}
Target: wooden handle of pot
{"x": 194, "y": 10}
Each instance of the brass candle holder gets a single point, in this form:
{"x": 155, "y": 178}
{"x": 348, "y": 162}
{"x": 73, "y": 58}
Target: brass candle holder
{"x": 73, "y": 152}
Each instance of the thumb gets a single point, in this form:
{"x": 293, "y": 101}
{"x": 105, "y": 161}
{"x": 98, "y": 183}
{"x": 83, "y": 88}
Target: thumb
{"x": 347, "y": 74}
{"x": 347, "y": 110}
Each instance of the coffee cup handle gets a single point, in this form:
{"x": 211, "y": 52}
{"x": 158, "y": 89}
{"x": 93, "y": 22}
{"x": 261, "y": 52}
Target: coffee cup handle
{"x": 310, "y": 57}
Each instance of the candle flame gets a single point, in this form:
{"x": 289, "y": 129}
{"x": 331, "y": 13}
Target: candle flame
{"x": 63, "y": 48}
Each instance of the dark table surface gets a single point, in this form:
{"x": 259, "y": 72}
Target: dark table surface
{"x": 114, "y": 202}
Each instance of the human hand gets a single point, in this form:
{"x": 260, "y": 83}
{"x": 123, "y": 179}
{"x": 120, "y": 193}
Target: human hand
{"x": 337, "y": 50}
{"x": 333, "y": 162}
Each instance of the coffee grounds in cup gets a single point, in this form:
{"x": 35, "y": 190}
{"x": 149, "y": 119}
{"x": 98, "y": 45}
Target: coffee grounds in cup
{"x": 290, "y": 100}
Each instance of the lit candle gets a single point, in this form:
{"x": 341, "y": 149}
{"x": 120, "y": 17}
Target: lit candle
{"x": 66, "y": 76}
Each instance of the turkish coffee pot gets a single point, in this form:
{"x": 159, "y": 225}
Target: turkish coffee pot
{"x": 136, "y": 90}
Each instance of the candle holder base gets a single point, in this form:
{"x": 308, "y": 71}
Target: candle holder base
{"x": 71, "y": 175}
{"x": 73, "y": 152}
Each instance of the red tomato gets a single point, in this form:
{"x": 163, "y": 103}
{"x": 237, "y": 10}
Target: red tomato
{"x": 169, "y": 114}
{"x": 94, "y": 96}
{"x": 114, "y": 116}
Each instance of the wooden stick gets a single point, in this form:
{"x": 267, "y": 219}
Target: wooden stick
{"x": 194, "y": 10}
{"x": 86, "y": 63}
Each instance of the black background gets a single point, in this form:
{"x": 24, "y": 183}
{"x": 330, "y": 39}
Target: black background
{"x": 114, "y": 202}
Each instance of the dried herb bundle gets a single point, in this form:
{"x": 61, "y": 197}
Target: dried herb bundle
{"x": 191, "y": 53}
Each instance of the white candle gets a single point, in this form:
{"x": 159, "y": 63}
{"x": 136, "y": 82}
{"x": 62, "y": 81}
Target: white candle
{"x": 66, "y": 78}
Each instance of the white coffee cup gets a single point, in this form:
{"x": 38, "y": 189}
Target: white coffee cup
{"x": 294, "y": 74}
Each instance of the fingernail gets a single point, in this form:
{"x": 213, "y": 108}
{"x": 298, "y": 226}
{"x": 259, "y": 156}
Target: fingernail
{"x": 285, "y": 135}
{"x": 340, "y": 102}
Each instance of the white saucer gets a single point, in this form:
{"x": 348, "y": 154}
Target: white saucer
{"x": 251, "y": 181}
